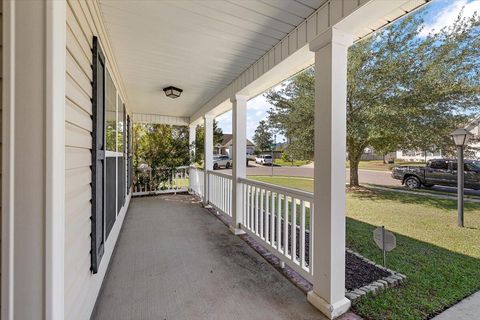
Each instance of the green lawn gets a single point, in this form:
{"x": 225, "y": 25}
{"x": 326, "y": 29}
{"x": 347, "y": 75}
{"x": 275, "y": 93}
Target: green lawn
{"x": 441, "y": 261}
{"x": 295, "y": 163}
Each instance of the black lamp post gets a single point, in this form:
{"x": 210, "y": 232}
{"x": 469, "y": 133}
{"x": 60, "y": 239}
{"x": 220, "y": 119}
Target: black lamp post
{"x": 460, "y": 137}
{"x": 273, "y": 147}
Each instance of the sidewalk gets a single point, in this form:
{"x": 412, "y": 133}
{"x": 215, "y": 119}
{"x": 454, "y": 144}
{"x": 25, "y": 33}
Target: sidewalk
{"x": 466, "y": 309}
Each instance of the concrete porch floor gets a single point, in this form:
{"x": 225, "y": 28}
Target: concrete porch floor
{"x": 175, "y": 260}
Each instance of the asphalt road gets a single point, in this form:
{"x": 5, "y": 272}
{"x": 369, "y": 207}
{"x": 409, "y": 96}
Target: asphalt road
{"x": 382, "y": 178}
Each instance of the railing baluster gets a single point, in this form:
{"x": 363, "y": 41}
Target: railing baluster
{"x": 245, "y": 205}
{"x": 285, "y": 227}
{"x": 310, "y": 239}
{"x": 302, "y": 233}
{"x": 262, "y": 233}
{"x": 257, "y": 213}
{"x": 249, "y": 201}
{"x": 272, "y": 218}
{"x": 293, "y": 227}
{"x": 266, "y": 220}
{"x": 252, "y": 211}
{"x": 279, "y": 223}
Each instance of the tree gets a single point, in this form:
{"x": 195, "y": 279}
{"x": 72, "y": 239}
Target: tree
{"x": 293, "y": 114}
{"x": 263, "y": 137}
{"x": 161, "y": 148}
{"x": 200, "y": 138}
{"x": 404, "y": 91}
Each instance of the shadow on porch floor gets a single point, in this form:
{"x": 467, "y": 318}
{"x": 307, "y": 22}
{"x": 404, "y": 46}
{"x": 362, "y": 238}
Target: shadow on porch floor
{"x": 175, "y": 260}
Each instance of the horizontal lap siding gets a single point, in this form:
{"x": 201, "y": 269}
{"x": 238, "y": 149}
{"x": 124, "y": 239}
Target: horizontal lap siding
{"x": 1, "y": 109}
{"x": 81, "y": 286}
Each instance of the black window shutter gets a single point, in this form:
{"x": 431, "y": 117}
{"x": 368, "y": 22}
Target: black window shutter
{"x": 125, "y": 154}
{"x": 129, "y": 154}
{"x": 98, "y": 157}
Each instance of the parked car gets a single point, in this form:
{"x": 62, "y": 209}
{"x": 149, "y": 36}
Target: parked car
{"x": 442, "y": 172}
{"x": 221, "y": 161}
{"x": 264, "y": 159}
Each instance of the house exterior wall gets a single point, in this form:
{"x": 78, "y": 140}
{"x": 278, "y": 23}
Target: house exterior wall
{"x": 1, "y": 103}
{"x": 81, "y": 285}
{"x": 416, "y": 156}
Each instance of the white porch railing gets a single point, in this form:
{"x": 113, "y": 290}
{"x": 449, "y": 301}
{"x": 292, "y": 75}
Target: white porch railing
{"x": 280, "y": 219}
{"x": 196, "y": 181}
{"x": 167, "y": 180}
{"x": 220, "y": 191}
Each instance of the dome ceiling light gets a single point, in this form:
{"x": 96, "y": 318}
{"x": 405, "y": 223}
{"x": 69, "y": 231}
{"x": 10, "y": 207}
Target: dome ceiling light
{"x": 172, "y": 92}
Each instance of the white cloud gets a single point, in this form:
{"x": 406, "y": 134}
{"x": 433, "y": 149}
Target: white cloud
{"x": 448, "y": 14}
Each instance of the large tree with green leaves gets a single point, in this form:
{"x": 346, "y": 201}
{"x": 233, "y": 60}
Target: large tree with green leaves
{"x": 263, "y": 137}
{"x": 161, "y": 148}
{"x": 200, "y": 138}
{"x": 293, "y": 113}
{"x": 405, "y": 90}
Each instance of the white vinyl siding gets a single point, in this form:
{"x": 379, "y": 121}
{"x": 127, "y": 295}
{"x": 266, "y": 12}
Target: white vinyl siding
{"x": 81, "y": 286}
{"x": 1, "y": 102}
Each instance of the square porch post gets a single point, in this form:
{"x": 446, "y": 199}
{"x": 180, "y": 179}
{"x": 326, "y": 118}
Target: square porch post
{"x": 208, "y": 154}
{"x": 191, "y": 145}
{"x": 328, "y": 293}
{"x": 192, "y": 138}
{"x": 239, "y": 156}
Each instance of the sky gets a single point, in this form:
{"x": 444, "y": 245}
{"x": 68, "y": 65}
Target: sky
{"x": 440, "y": 13}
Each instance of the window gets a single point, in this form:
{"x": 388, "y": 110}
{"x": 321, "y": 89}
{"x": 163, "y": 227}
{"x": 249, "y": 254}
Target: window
{"x": 98, "y": 157}
{"x": 471, "y": 166}
{"x": 439, "y": 165}
{"x": 111, "y": 154}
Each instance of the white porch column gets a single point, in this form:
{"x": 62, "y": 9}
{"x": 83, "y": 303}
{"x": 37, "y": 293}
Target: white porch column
{"x": 208, "y": 153}
{"x": 239, "y": 156}
{"x": 33, "y": 160}
{"x": 192, "y": 138}
{"x": 328, "y": 293}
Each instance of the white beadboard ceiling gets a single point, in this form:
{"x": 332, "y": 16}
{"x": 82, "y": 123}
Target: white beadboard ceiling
{"x": 199, "y": 46}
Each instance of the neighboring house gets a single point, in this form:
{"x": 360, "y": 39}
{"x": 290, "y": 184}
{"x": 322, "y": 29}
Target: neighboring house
{"x": 224, "y": 147}
{"x": 417, "y": 156}
{"x": 472, "y": 151}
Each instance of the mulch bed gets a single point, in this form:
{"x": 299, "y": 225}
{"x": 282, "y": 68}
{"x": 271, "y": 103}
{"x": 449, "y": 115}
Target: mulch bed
{"x": 358, "y": 272}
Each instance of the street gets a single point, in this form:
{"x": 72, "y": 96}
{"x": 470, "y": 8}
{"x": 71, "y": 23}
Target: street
{"x": 381, "y": 178}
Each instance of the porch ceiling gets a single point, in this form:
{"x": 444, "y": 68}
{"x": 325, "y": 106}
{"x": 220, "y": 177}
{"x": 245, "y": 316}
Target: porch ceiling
{"x": 198, "y": 46}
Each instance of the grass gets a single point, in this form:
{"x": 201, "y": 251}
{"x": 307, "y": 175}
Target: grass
{"x": 378, "y": 165}
{"x": 441, "y": 261}
{"x": 423, "y": 190}
{"x": 294, "y": 163}
{"x": 291, "y": 182}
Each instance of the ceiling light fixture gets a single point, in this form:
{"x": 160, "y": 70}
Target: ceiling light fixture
{"x": 172, "y": 92}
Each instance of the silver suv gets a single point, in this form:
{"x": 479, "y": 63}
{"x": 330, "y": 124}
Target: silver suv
{"x": 221, "y": 161}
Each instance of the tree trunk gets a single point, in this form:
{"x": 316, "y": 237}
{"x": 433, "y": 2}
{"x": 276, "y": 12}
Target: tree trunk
{"x": 354, "y": 171}
{"x": 384, "y": 158}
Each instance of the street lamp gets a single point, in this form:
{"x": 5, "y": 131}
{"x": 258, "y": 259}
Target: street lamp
{"x": 274, "y": 145}
{"x": 460, "y": 137}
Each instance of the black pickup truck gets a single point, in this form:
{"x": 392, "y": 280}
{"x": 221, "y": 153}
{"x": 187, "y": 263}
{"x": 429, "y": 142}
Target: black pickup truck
{"x": 442, "y": 172}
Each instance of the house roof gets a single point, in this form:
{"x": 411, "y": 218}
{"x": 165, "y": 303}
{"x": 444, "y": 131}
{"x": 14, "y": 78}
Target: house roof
{"x": 227, "y": 138}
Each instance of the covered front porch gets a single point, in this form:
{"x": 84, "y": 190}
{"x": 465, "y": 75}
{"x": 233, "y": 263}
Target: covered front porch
{"x": 176, "y": 260}
{"x": 91, "y": 68}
